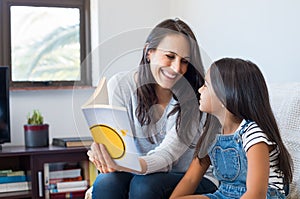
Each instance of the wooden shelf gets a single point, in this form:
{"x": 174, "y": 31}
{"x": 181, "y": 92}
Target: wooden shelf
{"x": 16, "y": 194}
{"x": 33, "y": 160}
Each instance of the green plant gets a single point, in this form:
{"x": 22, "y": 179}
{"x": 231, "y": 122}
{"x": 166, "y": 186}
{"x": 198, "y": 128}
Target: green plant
{"x": 35, "y": 119}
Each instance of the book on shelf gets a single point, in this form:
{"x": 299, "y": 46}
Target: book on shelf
{"x": 56, "y": 180}
{"x": 66, "y": 173}
{"x": 72, "y": 141}
{"x": 8, "y": 179}
{"x": 5, "y": 171}
{"x": 46, "y": 180}
{"x": 11, "y": 173}
{"x": 15, "y": 186}
{"x": 68, "y": 189}
{"x": 110, "y": 125}
{"x": 63, "y": 195}
{"x": 65, "y": 178}
{"x": 67, "y": 184}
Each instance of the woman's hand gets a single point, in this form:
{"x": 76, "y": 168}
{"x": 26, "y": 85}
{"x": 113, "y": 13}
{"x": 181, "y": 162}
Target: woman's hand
{"x": 99, "y": 156}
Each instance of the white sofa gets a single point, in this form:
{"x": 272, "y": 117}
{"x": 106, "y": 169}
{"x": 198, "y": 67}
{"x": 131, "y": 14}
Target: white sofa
{"x": 285, "y": 102}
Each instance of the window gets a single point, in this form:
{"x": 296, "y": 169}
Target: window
{"x": 46, "y": 42}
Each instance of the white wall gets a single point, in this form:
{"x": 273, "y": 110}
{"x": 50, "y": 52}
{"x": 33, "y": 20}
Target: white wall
{"x": 124, "y": 26}
{"x": 61, "y": 110}
{"x": 266, "y": 32}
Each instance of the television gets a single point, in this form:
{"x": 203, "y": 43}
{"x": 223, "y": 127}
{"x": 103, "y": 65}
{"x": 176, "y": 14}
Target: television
{"x": 4, "y": 106}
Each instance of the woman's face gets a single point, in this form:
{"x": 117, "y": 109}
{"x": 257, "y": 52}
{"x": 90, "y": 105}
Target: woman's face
{"x": 169, "y": 61}
{"x": 209, "y": 102}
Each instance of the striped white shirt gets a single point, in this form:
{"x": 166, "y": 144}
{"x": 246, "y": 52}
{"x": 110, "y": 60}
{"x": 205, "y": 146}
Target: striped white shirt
{"x": 253, "y": 135}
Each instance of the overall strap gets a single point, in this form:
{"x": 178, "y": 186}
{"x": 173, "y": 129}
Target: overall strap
{"x": 244, "y": 127}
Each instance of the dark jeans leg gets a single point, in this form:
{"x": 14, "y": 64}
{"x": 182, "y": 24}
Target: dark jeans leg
{"x": 112, "y": 186}
{"x": 206, "y": 186}
{"x": 161, "y": 185}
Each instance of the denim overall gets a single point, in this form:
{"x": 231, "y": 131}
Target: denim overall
{"x": 230, "y": 166}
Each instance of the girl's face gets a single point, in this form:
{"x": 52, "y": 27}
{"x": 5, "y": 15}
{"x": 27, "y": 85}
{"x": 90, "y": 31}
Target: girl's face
{"x": 169, "y": 61}
{"x": 209, "y": 102}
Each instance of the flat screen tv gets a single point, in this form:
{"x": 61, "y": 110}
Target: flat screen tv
{"x": 4, "y": 106}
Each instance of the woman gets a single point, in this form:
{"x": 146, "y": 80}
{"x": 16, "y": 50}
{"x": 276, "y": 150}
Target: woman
{"x": 161, "y": 98}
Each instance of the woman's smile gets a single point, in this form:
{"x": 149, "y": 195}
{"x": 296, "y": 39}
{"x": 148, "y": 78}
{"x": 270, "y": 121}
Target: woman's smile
{"x": 168, "y": 73}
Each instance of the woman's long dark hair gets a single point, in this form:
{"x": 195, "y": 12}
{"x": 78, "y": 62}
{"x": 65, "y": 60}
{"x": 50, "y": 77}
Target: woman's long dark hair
{"x": 241, "y": 87}
{"x": 187, "y": 98}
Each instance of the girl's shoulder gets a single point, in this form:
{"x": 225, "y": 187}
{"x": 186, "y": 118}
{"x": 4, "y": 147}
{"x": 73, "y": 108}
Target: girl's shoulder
{"x": 253, "y": 134}
{"x": 249, "y": 125}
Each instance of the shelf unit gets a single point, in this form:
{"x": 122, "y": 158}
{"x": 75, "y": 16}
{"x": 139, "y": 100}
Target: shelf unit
{"x": 33, "y": 160}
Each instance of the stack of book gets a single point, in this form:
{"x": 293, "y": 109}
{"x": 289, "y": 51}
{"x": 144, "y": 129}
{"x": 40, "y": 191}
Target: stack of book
{"x": 66, "y": 183}
{"x": 72, "y": 141}
{"x": 11, "y": 181}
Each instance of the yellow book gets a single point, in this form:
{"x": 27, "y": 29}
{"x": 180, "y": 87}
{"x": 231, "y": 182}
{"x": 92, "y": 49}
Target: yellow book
{"x": 110, "y": 125}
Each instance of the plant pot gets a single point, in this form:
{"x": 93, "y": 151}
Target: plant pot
{"x": 36, "y": 135}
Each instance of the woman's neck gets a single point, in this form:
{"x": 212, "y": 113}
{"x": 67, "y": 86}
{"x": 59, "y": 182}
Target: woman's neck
{"x": 163, "y": 95}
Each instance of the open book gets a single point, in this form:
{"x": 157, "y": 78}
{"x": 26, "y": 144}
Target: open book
{"x": 110, "y": 126}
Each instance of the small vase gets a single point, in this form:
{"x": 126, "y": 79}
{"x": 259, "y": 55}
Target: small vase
{"x": 36, "y": 135}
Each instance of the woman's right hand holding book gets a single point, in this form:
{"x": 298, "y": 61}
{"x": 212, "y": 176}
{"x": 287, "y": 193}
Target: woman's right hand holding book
{"x": 100, "y": 157}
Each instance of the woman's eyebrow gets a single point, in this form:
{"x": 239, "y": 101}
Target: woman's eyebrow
{"x": 186, "y": 57}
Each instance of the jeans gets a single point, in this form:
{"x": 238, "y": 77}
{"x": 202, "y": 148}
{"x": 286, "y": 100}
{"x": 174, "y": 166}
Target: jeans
{"x": 232, "y": 194}
{"x": 121, "y": 185}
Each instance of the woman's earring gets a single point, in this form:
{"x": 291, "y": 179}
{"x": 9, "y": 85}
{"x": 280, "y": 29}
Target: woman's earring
{"x": 147, "y": 60}
{"x": 222, "y": 105}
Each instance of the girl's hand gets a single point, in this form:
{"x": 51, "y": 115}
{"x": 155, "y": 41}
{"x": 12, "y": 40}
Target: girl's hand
{"x": 191, "y": 179}
{"x": 99, "y": 156}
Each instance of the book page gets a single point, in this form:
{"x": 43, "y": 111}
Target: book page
{"x": 100, "y": 95}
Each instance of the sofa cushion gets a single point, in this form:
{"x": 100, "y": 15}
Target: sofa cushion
{"x": 285, "y": 102}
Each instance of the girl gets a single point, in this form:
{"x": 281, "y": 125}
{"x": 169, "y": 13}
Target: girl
{"x": 162, "y": 100}
{"x": 249, "y": 157}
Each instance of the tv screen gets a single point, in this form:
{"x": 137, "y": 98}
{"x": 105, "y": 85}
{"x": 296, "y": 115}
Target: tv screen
{"x": 4, "y": 106}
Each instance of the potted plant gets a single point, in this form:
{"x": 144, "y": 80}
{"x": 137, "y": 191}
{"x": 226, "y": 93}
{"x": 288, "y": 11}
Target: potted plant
{"x": 36, "y": 133}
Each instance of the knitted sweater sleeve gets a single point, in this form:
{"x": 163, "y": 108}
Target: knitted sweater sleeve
{"x": 166, "y": 154}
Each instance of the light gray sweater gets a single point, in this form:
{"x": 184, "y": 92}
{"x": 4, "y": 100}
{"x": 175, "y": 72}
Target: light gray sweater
{"x": 168, "y": 153}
